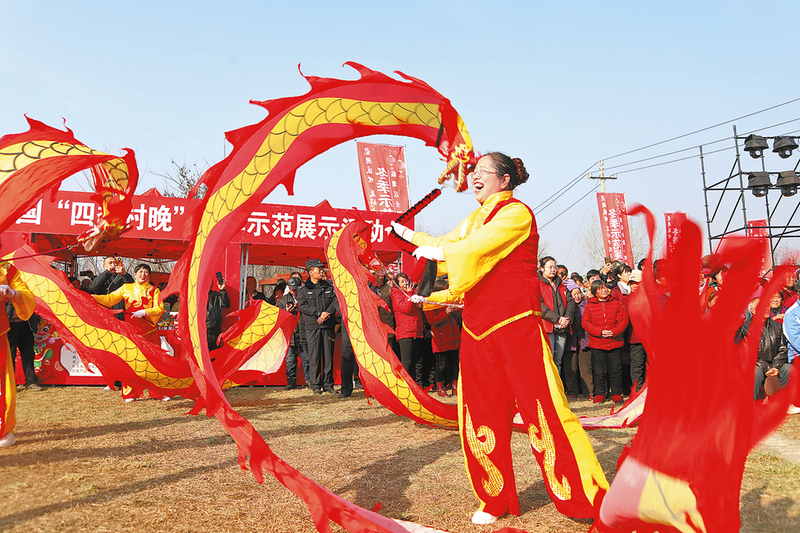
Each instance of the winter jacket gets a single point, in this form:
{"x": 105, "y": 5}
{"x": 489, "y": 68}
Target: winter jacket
{"x": 445, "y": 331}
{"x": 772, "y": 351}
{"x": 313, "y": 300}
{"x": 598, "y": 316}
{"x": 554, "y": 308}
{"x": 299, "y": 334}
{"x": 217, "y": 301}
{"x": 407, "y": 316}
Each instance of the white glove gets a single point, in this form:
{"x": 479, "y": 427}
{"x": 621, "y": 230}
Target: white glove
{"x": 416, "y": 299}
{"x": 141, "y": 313}
{"x": 429, "y": 252}
{"x": 404, "y": 232}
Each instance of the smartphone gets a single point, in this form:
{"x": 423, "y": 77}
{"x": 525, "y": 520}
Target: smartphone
{"x": 220, "y": 278}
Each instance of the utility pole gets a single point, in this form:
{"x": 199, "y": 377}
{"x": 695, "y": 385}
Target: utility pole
{"x": 602, "y": 177}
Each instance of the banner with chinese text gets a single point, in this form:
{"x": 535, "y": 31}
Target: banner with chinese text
{"x": 614, "y": 226}
{"x": 383, "y": 176}
{"x": 159, "y": 217}
{"x": 672, "y": 223}
{"x": 759, "y": 228}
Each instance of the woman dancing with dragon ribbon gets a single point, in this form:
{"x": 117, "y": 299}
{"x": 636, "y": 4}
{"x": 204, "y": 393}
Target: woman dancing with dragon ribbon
{"x": 505, "y": 358}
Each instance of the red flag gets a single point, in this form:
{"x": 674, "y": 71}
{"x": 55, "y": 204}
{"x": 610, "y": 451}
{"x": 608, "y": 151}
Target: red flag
{"x": 383, "y": 176}
{"x": 760, "y": 228}
{"x": 614, "y": 226}
{"x": 673, "y": 223}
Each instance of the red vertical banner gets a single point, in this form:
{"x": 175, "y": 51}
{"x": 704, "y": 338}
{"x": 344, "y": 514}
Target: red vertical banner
{"x": 614, "y": 226}
{"x": 759, "y": 228}
{"x": 672, "y": 223}
{"x": 383, "y": 176}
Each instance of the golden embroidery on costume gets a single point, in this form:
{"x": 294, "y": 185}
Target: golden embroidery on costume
{"x": 546, "y": 444}
{"x": 480, "y": 449}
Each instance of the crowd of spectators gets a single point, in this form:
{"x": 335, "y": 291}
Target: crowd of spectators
{"x": 594, "y": 345}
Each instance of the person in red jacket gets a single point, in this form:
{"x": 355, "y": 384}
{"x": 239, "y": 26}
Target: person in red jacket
{"x": 408, "y": 329}
{"x": 446, "y": 340}
{"x": 605, "y": 320}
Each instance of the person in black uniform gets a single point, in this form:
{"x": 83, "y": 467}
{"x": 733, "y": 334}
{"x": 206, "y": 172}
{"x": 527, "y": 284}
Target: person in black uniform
{"x": 316, "y": 300}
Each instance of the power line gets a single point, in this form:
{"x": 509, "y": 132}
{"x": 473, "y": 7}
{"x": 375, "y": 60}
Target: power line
{"x": 698, "y": 146}
{"x": 704, "y": 129}
{"x": 568, "y": 186}
{"x": 570, "y": 207}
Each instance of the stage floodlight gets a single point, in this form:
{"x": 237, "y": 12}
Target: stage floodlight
{"x": 783, "y": 146}
{"x": 759, "y": 183}
{"x": 788, "y": 182}
{"x": 755, "y": 145}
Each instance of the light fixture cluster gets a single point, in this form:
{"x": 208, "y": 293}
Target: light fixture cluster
{"x": 756, "y": 144}
{"x": 760, "y": 183}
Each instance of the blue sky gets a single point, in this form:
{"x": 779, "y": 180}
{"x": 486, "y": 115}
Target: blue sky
{"x": 560, "y": 87}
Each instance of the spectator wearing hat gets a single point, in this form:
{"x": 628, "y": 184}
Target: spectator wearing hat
{"x": 605, "y": 320}
{"x": 316, "y": 301}
{"x": 297, "y": 343}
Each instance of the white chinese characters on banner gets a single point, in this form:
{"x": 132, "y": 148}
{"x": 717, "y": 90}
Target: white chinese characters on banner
{"x": 32, "y": 216}
{"x": 158, "y": 218}
{"x": 614, "y": 226}
{"x": 304, "y": 226}
{"x": 383, "y": 176}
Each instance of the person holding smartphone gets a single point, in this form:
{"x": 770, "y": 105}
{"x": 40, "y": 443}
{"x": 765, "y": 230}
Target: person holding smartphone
{"x": 297, "y": 343}
{"x": 110, "y": 279}
{"x": 217, "y": 301}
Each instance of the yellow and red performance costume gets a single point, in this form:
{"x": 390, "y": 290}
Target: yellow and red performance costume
{"x": 137, "y": 296}
{"x": 506, "y": 363}
{"x": 8, "y": 386}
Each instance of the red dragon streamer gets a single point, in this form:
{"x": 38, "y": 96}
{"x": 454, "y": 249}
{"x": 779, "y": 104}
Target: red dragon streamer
{"x": 41, "y": 158}
{"x": 264, "y": 156}
{"x": 381, "y": 372}
{"x": 122, "y": 354}
{"x": 685, "y": 465}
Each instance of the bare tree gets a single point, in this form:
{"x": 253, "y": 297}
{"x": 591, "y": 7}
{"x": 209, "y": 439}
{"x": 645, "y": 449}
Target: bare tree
{"x": 592, "y": 250}
{"x": 183, "y": 178}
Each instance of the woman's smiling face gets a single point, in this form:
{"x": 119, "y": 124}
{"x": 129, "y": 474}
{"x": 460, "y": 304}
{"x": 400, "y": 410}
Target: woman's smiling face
{"x": 485, "y": 181}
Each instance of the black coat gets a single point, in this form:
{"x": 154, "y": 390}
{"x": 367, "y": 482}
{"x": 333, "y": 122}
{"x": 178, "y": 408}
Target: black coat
{"x": 107, "y": 282}
{"x": 772, "y": 350}
{"x": 299, "y": 335}
{"x": 313, "y": 300}
{"x": 216, "y": 302}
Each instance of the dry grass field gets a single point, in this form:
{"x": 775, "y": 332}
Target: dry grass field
{"x": 86, "y": 461}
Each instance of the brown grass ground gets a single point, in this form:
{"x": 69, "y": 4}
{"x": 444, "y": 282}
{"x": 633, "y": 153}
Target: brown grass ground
{"x": 86, "y": 461}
